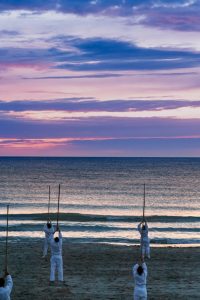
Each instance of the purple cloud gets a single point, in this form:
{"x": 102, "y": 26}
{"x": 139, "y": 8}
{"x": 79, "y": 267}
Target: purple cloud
{"x": 174, "y": 14}
{"x": 100, "y": 127}
{"x": 4, "y": 33}
{"x": 106, "y": 54}
{"x": 91, "y": 104}
{"x": 110, "y": 75}
{"x": 74, "y": 6}
{"x": 115, "y": 55}
{"x": 182, "y": 19}
{"x": 104, "y": 75}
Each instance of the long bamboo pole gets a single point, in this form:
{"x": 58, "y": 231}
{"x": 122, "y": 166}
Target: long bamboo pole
{"x": 49, "y": 201}
{"x": 58, "y": 209}
{"x": 6, "y": 250}
{"x": 144, "y": 202}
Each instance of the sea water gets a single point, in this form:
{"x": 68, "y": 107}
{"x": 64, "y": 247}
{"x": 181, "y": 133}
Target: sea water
{"x": 102, "y": 198}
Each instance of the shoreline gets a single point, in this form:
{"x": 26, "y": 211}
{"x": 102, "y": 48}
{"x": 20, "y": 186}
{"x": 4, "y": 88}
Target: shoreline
{"x": 102, "y": 271}
{"x": 78, "y": 241}
{"x": 36, "y": 240}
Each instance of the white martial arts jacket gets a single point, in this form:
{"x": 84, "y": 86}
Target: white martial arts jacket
{"x": 48, "y": 231}
{"x": 56, "y": 247}
{"x": 6, "y": 290}
{"x": 143, "y": 232}
{"x": 140, "y": 280}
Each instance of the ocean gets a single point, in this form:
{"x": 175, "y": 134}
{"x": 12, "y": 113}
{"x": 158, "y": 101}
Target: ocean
{"x": 101, "y": 198}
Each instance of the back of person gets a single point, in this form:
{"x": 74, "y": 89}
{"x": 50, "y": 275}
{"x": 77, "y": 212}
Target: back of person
{"x": 56, "y": 247}
{"x": 48, "y": 231}
{"x": 56, "y": 258}
{"x": 140, "y": 280}
{"x": 140, "y": 291}
{"x": 144, "y": 234}
{"x": 143, "y": 230}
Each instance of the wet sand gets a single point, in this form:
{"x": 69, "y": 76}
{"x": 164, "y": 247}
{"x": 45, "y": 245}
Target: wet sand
{"x": 94, "y": 271}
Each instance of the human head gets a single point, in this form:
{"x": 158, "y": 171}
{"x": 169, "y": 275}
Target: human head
{"x": 2, "y": 282}
{"x": 143, "y": 227}
{"x": 140, "y": 270}
{"x": 48, "y": 225}
{"x": 56, "y": 239}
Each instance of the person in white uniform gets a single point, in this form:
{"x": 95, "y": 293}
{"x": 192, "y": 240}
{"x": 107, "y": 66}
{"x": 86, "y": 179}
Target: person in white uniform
{"x": 56, "y": 257}
{"x": 140, "y": 278}
{"x": 49, "y": 232}
{"x": 144, "y": 239}
{"x": 6, "y": 285}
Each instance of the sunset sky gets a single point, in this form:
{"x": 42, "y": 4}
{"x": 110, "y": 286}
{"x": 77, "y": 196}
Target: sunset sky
{"x": 100, "y": 77}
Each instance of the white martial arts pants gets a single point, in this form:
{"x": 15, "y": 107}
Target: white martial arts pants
{"x": 140, "y": 293}
{"x": 56, "y": 264}
{"x": 46, "y": 246}
{"x": 145, "y": 248}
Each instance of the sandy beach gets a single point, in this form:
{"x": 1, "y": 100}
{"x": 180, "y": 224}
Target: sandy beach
{"x": 94, "y": 271}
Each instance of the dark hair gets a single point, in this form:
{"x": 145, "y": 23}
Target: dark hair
{"x": 48, "y": 225}
{"x": 143, "y": 227}
{"x": 140, "y": 270}
{"x": 56, "y": 239}
{"x": 2, "y": 282}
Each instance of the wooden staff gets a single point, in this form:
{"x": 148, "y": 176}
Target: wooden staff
{"x": 144, "y": 203}
{"x": 58, "y": 205}
{"x": 49, "y": 201}
{"x": 6, "y": 252}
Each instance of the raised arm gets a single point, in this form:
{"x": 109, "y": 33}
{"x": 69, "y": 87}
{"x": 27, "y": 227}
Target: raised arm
{"x": 146, "y": 225}
{"x": 60, "y": 238}
{"x": 139, "y": 227}
{"x": 144, "y": 267}
{"x": 135, "y": 267}
{"x": 45, "y": 229}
